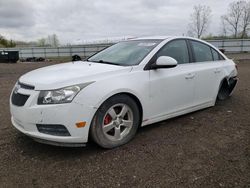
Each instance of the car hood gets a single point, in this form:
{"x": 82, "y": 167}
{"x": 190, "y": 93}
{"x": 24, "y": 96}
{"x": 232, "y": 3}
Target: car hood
{"x": 67, "y": 74}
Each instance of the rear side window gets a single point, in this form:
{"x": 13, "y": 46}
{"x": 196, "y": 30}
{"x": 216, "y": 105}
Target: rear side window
{"x": 176, "y": 49}
{"x": 202, "y": 52}
{"x": 216, "y": 55}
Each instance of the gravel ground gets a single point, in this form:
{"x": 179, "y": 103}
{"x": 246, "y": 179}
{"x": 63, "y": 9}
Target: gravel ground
{"x": 208, "y": 148}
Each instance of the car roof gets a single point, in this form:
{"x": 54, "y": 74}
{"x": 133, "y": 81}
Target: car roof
{"x": 151, "y": 37}
{"x": 164, "y": 38}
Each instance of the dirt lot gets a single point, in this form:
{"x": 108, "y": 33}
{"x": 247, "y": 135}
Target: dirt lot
{"x": 208, "y": 148}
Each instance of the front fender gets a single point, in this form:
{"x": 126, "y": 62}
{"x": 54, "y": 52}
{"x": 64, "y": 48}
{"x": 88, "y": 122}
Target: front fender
{"x": 135, "y": 83}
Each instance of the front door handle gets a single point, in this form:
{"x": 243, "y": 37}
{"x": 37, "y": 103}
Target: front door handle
{"x": 190, "y": 76}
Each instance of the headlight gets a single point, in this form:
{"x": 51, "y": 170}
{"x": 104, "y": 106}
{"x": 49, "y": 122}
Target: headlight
{"x": 59, "y": 96}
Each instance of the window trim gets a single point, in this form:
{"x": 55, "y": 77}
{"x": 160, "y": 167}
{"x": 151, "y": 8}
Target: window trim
{"x": 154, "y": 58}
{"x": 194, "y": 57}
{"x": 221, "y": 58}
{"x": 211, "y": 49}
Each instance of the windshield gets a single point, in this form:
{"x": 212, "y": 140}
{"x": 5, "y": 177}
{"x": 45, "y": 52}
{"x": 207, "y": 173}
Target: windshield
{"x": 125, "y": 53}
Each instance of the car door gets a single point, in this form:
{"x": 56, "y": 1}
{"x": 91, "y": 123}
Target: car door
{"x": 172, "y": 89}
{"x": 208, "y": 71}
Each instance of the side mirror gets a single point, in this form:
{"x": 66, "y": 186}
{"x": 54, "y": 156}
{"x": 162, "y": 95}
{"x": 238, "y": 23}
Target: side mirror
{"x": 164, "y": 62}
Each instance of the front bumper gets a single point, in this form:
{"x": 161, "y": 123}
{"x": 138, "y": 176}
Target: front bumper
{"x": 25, "y": 119}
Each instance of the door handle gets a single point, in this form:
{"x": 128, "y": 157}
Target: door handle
{"x": 216, "y": 71}
{"x": 190, "y": 76}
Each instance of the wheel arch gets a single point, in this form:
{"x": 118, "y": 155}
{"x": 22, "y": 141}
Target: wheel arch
{"x": 131, "y": 95}
{"x": 138, "y": 102}
{"x": 227, "y": 83}
{"x": 223, "y": 81}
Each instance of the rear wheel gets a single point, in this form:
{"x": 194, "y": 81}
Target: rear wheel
{"x": 224, "y": 91}
{"x": 227, "y": 88}
{"x": 115, "y": 122}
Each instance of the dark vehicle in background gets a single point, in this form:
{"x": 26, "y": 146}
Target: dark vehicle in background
{"x": 32, "y": 59}
{"x": 9, "y": 56}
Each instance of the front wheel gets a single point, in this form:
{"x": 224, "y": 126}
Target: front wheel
{"x": 115, "y": 122}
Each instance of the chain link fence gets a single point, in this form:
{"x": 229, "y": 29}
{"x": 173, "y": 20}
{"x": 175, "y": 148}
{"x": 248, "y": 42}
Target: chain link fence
{"x": 229, "y": 45}
{"x": 68, "y": 51}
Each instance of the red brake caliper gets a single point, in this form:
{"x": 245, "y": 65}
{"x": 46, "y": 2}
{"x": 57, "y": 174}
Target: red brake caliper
{"x": 107, "y": 119}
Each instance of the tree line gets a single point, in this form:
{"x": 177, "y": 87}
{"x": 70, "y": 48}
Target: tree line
{"x": 6, "y": 43}
{"x": 49, "y": 41}
{"x": 234, "y": 24}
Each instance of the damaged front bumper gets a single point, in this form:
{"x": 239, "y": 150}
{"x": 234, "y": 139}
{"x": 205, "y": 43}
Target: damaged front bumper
{"x": 60, "y": 120}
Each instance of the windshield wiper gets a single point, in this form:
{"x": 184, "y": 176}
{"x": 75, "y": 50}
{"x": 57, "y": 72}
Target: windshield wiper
{"x": 106, "y": 62}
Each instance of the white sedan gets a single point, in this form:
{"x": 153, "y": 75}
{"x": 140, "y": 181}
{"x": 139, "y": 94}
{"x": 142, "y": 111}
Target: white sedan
{"x": 130, "y": 84}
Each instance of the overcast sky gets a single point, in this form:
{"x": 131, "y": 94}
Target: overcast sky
{"x": 72, "y": 20}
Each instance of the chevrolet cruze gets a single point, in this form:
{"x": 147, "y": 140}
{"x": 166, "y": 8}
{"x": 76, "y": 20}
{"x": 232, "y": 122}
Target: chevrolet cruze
{"x": 130, "y": 84}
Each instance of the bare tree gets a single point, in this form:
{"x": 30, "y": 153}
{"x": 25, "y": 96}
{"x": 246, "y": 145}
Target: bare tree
{"x": 237, "y": 18}
{"x": 200, "y": 20}
{"x": 245, "y": 19}
{"x": 41, "y": 42}
{"x": 50, "y": 40}
{"x": 224, "y": 28}
{"x": 54, "y": 40}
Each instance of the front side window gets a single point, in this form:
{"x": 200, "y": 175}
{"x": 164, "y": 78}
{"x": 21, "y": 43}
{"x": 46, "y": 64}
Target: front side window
{"x": 125, "y": 53}
{"x": 202, "y": 52}
{"x": 176, "y": 49}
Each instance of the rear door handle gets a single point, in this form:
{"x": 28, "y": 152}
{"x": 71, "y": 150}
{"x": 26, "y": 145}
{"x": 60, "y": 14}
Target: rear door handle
{"x": 216, "y": 71}
{"x": 190, "y": 76}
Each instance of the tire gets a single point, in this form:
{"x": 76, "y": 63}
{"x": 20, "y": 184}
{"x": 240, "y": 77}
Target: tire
{"x": 224, "y": 91}
{"x": 115, "y": 122}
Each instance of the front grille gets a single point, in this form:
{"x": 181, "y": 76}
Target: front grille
{"x": 19, "y": 99}
{"x": 54, "y": 129}
{"x": 26, "y": 86}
